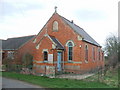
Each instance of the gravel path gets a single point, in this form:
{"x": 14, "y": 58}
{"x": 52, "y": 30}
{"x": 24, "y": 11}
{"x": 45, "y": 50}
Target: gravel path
{"x": 11, "y": 83}
{"x": 78, "y": 77}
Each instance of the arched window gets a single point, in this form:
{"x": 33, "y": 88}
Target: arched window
{"x": 86, "y": 52}
{"x": 55, "y": 26}
{"x": 70, "y": 51}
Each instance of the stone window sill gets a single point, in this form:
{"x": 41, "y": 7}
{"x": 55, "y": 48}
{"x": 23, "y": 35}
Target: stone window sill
{"x": 70, "y": 61}
{"x": 45, "y": 61}
{"x": 86, "y": 61}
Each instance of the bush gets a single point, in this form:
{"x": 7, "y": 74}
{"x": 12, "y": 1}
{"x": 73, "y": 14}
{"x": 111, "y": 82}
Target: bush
{"x": 27, "y": 60}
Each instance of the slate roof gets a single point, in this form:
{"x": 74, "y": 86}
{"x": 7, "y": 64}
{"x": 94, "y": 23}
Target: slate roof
{"x": 59, "y": 45}
{"x": 80, "y": 31}
{"x": 15, "y": 43}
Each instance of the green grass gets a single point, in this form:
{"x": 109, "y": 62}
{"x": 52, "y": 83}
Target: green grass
{"x": 55, "y": 82}
{"x": 111, "y": 78}
{"x": 0, "y": 73}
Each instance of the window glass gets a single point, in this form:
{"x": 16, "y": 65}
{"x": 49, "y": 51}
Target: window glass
{"x": 10, "y": 54}
{"x": 70, "y": 51}
{"x": 86, "y": 52}
{"x": 99, "y": 54}
{"x": 93, "y": 53}
{"x": 45, "y": 56}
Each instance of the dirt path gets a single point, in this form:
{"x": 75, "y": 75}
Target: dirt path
{"x": 11, "y": 83}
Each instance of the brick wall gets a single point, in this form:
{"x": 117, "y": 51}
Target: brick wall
{"x": 63, "y": 34}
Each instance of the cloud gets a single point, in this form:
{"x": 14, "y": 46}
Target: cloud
{"x": 10, "y": 8}
{"x": 90, "y": 15}
{"x": 26, "y": 17}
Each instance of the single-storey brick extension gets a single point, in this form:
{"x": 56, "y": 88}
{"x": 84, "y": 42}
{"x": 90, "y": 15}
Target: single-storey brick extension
{"x": 11, "y": 46}
{"x": 61, "y": 46}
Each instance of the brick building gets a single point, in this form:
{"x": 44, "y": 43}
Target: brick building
{"x": 62, "y": 46}
{"x": 67, "y": 47}
{"x": 11, "y": 46}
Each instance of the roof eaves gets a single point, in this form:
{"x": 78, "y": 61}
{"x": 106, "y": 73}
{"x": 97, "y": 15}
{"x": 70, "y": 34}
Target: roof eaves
{"x": 60, "y": 44}
{"x": 57, "y": 43}
{"x": 90, "y": 42}
{"x": 9, "y": 49}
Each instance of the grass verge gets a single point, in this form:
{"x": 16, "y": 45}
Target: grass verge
{"x": 55, "y": 82}
{"x": 111, "y": 78}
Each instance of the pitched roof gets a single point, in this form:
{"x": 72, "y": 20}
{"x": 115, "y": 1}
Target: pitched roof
{"x": 80, "y": 31}
{"x": 59, "y": 45}
{"x": 15, "y": 43}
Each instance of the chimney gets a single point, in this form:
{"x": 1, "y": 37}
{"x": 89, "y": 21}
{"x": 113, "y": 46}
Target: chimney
{"x": 72, "y": 21}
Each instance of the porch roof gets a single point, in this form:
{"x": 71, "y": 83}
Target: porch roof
{"x": 59, "y": 45}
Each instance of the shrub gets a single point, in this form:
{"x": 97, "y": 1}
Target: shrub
{"x": 27, "y": 60}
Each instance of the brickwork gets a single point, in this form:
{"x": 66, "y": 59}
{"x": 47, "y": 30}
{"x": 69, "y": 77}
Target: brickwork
{"x": 63, "y": 34}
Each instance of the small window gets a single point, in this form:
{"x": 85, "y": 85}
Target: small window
{"x": 98, "y": 54}
{"x": 55, "y": 26}
{"x": 70, "y": 51}
{"x": 10, "y": 55}
{"x": 45, "y": 56}
{"x": 102, "y": 56}
{"x": 93, "y": 53}
{"x": 86, "y": 52}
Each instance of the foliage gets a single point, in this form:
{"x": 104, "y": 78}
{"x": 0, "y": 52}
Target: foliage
{"x": 111, "y": 78}
{"x": 7, "y": 61}
{"x": 27, "y": 60}
{"x": 55, "y": 82}
{"x": 112, "y": 50}
{"x": 8, "y": 64}
{"x": 12, "y": 67}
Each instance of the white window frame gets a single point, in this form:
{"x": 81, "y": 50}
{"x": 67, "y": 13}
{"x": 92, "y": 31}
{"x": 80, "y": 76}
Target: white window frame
{"x": 72, "y": 50}
{"x": 10, "y": 54}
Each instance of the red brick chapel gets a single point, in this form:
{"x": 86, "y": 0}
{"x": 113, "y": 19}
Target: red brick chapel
{"x": 63, "y": 46}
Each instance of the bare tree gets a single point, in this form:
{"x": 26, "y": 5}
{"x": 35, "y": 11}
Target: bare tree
{"x": 112, "y": 49}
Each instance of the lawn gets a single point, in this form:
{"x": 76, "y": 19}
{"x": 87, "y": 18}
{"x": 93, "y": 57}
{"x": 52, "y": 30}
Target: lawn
{"x": 111, "y": 78}
{"x": 55, "y": 82}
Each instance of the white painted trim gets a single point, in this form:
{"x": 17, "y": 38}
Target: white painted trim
{"x": 59, "y": 50}
{"x": 79, "y": 38}
{"x": 71, "y": 42}
{"x": 50, "y": 39}
{"x": 53, "y": 46}
{"x": 53, "y": 25}
{"x": 45, "y": 50}
{"x": 37, "y": 47}
{"x": 34, "y": 41}
{"x": 86, "y": 61}
{"x": 56, "y": 62}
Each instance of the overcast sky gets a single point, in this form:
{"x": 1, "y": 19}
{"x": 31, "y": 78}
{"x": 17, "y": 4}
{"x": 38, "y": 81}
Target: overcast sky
{"x": 18, "y": 18}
